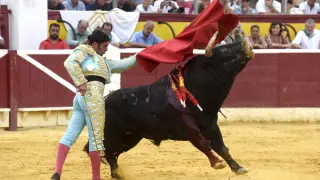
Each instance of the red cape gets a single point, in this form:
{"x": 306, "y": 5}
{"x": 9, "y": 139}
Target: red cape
{"x": 195, "y": 36}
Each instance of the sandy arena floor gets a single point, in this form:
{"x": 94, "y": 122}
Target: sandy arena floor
{"x": 270, "y": 151}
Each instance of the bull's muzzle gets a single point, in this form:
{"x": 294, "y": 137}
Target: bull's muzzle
{"x": 210, "y": 45}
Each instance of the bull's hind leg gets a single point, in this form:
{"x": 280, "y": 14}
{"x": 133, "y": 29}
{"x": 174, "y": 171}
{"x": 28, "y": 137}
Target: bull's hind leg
{"x": 117, "y": 140}
{"x": 197, "y": 139}
{"x": 219, "y": 147}
{"x": 127, "y": 142}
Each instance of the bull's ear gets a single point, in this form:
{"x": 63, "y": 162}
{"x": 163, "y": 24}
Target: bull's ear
{"x": 210, "y": 45}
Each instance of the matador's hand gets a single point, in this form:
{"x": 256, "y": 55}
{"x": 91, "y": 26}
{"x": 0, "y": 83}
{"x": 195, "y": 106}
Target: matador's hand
{"x": 82, "y": 89}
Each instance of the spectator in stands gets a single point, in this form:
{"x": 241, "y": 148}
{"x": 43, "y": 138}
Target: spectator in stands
{"x": 268, "y": 7}
{"x": 135, "y": 3}
{"x": 235, "y": 36}
{"x": 54, "y": 42}
{"x": 309, "y": 7}
{"x": 275, "y": 38}
{"x": 88, "y": 2}
{"x": 125, "y": 6}
{"x": 55, "y": 5}
{"x": 145, "y": 38}
{"x": 80, "y": 36}
{"x": 107, "y": 29}
{"x": 234, "y": 4}
{"x": 257, "y": 41}
{"x": 309, "y": 38}
{"x": 292, "y": 8}
{"x": 145, "y": 7}
{"x": 100, "y": 5}
{"x": 74, "y": 5}
{"x": 202, "y": 5}
{"x": 244, "y": 8}
{"x": 165, "y": 6}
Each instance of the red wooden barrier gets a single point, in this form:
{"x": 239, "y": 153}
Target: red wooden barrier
{"x": 270, "y": 80}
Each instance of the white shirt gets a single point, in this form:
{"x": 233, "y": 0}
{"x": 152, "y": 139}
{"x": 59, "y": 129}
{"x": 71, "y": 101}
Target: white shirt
{"x": 307, "y": 43}
{"x": 150, "y": 9}
{"x": 306, "y": 8}
{"x": 114, "y": 38}
{"x": 261, "y": 6}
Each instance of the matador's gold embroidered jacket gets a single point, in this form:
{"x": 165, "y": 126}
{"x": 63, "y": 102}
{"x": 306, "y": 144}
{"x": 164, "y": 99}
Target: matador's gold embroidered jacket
{"x": 84, "y": 61}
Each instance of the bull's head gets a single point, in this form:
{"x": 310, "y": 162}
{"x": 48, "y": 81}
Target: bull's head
{"x": 221, "y": 64}
{"x": 231, "y": 58}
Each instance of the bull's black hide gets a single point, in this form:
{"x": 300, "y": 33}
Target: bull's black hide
{"x": 153, "y": 112}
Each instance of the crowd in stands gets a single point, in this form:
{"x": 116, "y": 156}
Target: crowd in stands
{"x": 186, "y": 6}
{"x": 139, "y": 39}
{"x": 276, "y": 38}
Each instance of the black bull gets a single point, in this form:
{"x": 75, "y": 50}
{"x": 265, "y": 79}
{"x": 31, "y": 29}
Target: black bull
{"x": 153, "y": 111}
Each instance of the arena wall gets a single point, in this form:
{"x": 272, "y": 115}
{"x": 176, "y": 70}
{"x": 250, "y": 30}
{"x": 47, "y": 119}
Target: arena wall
{"x": 277, "y": 85}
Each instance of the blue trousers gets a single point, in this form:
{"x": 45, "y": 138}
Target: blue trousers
{"x": 79, "y": 119}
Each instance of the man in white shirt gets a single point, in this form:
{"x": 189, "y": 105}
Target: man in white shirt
{"x": 145, "y": 7}
{"x": 268, "y": 7}
{"x": 309, "y": 7}
{"x": 309, "y": 38}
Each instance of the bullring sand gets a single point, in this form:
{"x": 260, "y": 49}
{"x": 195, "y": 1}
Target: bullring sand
{"x": 269, "y": 151}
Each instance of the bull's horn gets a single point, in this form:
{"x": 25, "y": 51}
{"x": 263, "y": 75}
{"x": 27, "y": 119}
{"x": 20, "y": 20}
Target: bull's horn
{"x": 210, "y": 45}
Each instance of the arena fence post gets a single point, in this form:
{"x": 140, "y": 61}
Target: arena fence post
{"x": 13, "y": 90}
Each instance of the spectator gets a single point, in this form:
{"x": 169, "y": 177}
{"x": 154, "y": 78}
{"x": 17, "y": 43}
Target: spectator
{"x": 244, "y": 8}
{"x": 202, "y": 5}
{"x": 55, "y": 5}
{"x": 234, "y": 4}
{"x": 309, "y": 38}
{"x": 107, "y": 29}
{"x": 292, "y": 8}
{"x": 275, "y": 38}
{"x": 145, "y": 7}
{"x": 236, "y": 35}
{"x": 145, "y": 38}
{"x": 268, "y": 7}
{"x": 309, "y": 7}
{"x": 256, "y": 40}
{"x": 135, "y": 3}
{"x": 87, "y": 2}
{"x": 100, "y": 5}
{"x": 74, "y": 5}
{"x": 125, "y": 6}
{"x": 54, "y": 42}
{"x": 165, "y": 6}
{"x": 81, "y": 34}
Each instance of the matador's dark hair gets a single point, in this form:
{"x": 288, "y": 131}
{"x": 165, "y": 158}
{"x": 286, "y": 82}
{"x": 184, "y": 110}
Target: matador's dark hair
{"x": 98, "y": 36}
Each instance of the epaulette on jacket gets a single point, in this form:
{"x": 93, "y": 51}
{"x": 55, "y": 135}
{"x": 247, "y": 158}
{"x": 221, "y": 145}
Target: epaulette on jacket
{"x": 86, "y": 49}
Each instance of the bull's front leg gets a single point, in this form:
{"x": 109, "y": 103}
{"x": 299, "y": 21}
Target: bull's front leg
{"x": 198, "y": 140}
{"x": 219, "y": 147}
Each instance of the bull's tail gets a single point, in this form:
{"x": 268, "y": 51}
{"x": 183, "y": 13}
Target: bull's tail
{"x": 86, "y": 149}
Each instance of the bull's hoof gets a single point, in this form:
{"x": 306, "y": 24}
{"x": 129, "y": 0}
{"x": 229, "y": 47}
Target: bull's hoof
{"x": 219, "y": 165}
{"x": 116, "y": 175}
{"x": 241, "y": 171}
